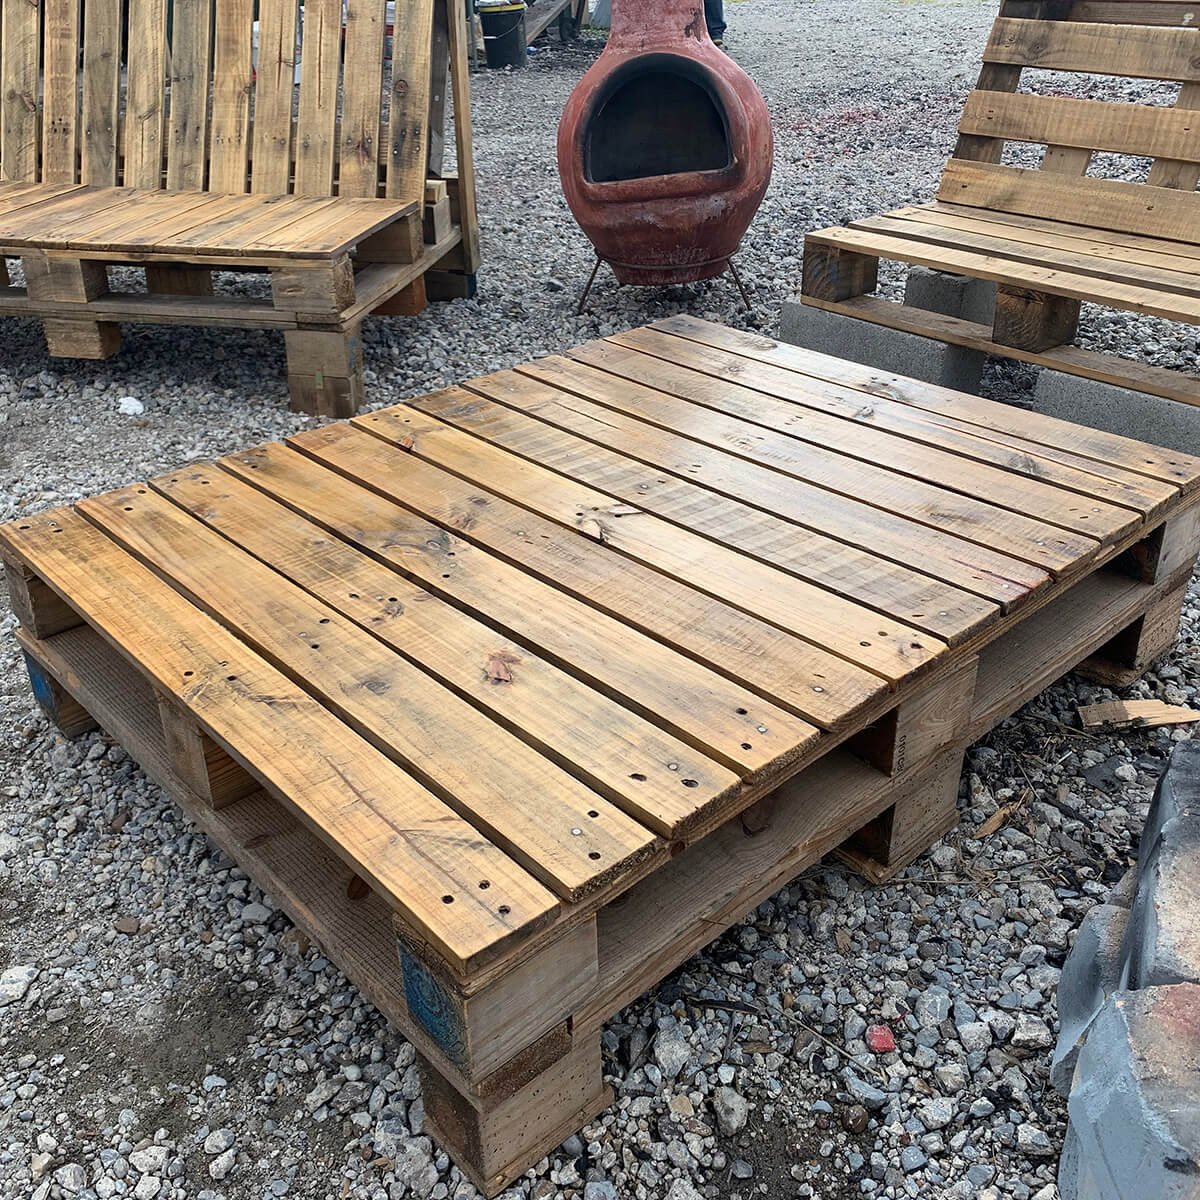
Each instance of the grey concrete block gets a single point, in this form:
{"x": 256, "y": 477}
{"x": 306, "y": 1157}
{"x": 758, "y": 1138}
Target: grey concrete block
{"x": 1162, "y": 936}
{"x": 1135, "y": 1106}
{"x": 1177, "y": 793}
{"x": 1118, "y": 410}
{"x": 1092, "y": 971}
{"x": 951, "y": 295}
{"x": 877, "y": 346}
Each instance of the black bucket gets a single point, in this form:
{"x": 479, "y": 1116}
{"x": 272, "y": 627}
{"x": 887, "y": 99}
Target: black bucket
{"x": 503, "y": 34}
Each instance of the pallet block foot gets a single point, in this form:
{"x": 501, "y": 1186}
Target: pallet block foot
{"x": 71, "y": 718}
{"x": 496, "y": 1143}
{"x": 172, "y": 279}
{"x": 199, "y": 761}
{"x": 882, "y": 848}
{"x": 1032, "y": 320}
{"x": 830, "y": 273}
{"x": 407, "y": 302}
{"x": 71, "y": 281}
{"x": 325, "y": 370}
{"x": 1131, "y": 653}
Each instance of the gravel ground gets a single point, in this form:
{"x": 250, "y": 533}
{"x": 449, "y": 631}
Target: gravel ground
{"x": 165, "y": 1033}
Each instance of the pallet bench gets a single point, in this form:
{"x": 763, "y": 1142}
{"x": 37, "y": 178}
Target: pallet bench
{"x": 1055, "y": 236}
{"x": 307, "y": 158}
{"x": 518, "y": 694}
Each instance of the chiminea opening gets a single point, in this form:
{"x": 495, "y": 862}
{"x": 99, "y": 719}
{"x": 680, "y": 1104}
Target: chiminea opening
{"x": 657, "y": 116}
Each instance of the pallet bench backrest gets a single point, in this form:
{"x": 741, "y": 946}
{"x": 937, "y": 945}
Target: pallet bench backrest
{"x": 102, "y": 95}
{"x": 1138, "y": 39}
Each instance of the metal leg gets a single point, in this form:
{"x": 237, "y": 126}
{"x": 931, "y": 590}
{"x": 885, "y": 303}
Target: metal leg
{"x": 738, "y": 280}
{"x": 587, "y": 290}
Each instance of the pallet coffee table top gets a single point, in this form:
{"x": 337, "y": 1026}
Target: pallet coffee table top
{"x": 507, "y": 646}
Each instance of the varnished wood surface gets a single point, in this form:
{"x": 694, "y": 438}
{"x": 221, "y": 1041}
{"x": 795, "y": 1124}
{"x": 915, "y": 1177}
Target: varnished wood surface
{"x": 516, "y": 643}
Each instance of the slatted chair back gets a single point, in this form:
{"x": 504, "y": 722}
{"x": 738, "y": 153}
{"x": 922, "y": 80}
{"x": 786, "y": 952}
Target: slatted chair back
{"x": 100, "y": 93}
{"x": 1136, "y": 39}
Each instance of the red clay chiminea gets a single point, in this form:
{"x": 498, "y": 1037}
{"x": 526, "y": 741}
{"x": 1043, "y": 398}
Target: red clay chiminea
{"x": 664, "y": 147}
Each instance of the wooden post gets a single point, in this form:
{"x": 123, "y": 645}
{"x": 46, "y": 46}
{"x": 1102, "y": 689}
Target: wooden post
{"x": 407, "y": 302}
{"x": 930, "y": 727}
{"x": 932, "y": 718}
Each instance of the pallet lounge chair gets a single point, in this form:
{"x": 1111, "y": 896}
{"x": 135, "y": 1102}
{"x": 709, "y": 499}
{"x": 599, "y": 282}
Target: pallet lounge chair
{"x": 297, "y": 143}
{"x": 1054, "y": 236}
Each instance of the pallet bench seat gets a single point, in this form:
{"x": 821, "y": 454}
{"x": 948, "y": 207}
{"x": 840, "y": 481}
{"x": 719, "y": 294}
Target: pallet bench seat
{"x": 127, "y": 139}
{"x": 516, "y": 695}
{"x": 1052, "y": 237}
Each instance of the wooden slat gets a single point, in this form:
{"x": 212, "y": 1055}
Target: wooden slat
{"x": 791, "y": 440}
{"x": 1110, "y": 456}
{"x": 1135, "y": 12}
{"x": 718, "y": 717}
{"x": 43, "y": 224}
{"x": 232, "y": 73}
{"x": 615, "y": 751}
{"x": 1128, "y": 491}
{"x": 362, "y": 99}
{"x": 1000, "y": 420}
{"x": 1177, "y": 261}
{"x": 897, "y": 592}
{"x": 985, "y": 264}
{"x": 1095, "y": 124}
{"x": 60, "y": 101}
{"x": 101, "y": 92}
{"x": 1090, "y": 364}
{"x": 1182, "y": 280}
{"x": 653, "y": 439}
{"x": 1181, "y": 172}
{"x": 473, "y": 764}
{"x": 274, "y": 88}
{"x": 191, "y": 48}
{"x": 1104, "y": 203}
{"x": 131, "y": 227}
{"x": 840, "y": 627}
{"x": 396, "y": 834}
{"x": 408, "y": 118}
{"x": 19, "y": 68}
{"x": 145, "y": 109}
{"x": 316, "y": 122}
{"x": 1105, "y": 49}
{"x": 329, "y": 228}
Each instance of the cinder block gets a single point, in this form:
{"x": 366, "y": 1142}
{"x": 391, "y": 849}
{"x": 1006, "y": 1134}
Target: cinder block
{"x": 952, "y": 295}
{"x": 1135, "y": 1106}
{"x": 1118, "y": 410}
{"x": 878, "y": 346}
{"x": 1092, "y": 971}
{"x": 1162, "y": 936}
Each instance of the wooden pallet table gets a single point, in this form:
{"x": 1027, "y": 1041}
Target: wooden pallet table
{"x": 518, "y": 694}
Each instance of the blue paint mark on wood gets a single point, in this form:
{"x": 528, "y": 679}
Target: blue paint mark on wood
{"x": 433, "y": 1007}
{"x": 45, "y": 688}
